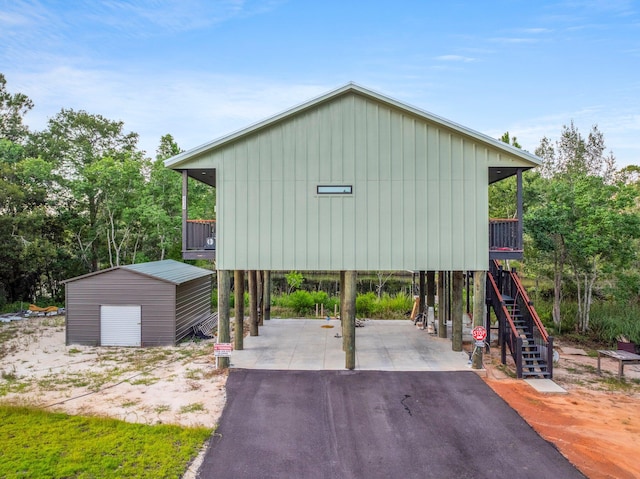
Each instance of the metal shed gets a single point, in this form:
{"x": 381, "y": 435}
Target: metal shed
{"x": 147, "y": 304}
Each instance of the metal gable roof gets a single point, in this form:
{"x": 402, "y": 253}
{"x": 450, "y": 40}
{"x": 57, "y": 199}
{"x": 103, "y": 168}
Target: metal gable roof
{"x": 169, "y": 270}
{"x": 181, "y": 160}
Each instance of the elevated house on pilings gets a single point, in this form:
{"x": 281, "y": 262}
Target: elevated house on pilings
{"x": 352, "y": 181}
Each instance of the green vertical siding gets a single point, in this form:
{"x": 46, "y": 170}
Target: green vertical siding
{"x": 419, "y": 192}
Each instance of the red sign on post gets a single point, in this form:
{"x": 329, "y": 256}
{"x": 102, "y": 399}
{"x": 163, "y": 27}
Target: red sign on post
{"x": 222, "y": 349}
{"x": 479, "y": 333}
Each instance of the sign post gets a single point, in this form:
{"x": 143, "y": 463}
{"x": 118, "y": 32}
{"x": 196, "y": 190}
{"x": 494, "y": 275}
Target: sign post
{"x": 479, "y": 333}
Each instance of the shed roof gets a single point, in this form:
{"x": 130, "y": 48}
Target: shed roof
{"x": 167, "y": 270}
{"x": 182, "y": 160}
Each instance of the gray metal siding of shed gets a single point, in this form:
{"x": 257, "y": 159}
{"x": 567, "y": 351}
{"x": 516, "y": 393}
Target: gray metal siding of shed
{"x": 419, "y": 193}
{"x": 120, "y": 287}
{"x": 193, "y": 301}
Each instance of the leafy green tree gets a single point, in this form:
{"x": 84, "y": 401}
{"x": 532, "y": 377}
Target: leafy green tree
{"x": 294, "y": 280}
{"x": 120, "y": 186}
{"x": 13, "y": 108}
{"x": 513, "y": 141}
{"x": 161, "y": 208}
{"x": 74, "y": 143}
{"x": 29, "y": 228}
{"x": 582, "y": 218}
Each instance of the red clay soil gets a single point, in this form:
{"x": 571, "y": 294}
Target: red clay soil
{"x": 599, "y": 432}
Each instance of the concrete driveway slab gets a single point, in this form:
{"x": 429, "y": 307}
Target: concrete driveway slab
{"x": 381, "y": 345}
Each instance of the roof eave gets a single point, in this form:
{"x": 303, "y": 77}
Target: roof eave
{"x": 175, "y": 161}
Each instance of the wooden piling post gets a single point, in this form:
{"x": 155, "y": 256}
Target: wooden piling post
{"x": 260, "y": 295}
{"x": 479, "y": 292}
{"x": 442, "y": 321}
{"x": 422, "y": 292}
{"x": 253, "y": 304}
{"x": 456, "y": 311}
{"x": 224, "y": 293}
{"x": 431, "y": 289}
{"x": 185, "y": 212}
{"x": 266, "y": 295}
{"x": 342, "y": 320}
{"x": 349, "y": 319}
{"x": 238, "y": 283}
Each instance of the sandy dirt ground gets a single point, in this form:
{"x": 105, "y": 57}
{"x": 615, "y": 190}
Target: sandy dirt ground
{"x": 163, "y": 385}
{"x": 596, "y": 425}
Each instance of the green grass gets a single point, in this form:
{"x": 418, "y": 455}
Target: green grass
{"x": 608, "y": 320}
{"x": 302, "y": 303}
{"x": 195, "y": 407}
{"x": 36, "y": 444}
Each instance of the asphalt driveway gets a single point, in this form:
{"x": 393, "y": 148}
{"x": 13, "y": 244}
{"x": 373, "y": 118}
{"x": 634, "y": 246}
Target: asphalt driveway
{"x": 374, "y": 424}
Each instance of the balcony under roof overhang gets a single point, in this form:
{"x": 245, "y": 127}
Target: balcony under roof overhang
{"x": 204, "y": 175}
{"x": 499, "y": 173}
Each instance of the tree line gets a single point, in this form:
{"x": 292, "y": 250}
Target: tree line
{"x": 581, "y": 222}
{"x": 80, "y": 196}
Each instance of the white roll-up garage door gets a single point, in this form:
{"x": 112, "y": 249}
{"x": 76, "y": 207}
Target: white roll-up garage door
{"x": 120, "y": 325}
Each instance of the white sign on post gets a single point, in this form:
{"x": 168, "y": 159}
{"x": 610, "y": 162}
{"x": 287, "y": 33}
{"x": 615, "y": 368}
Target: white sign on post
{"x": 222, "y": 350}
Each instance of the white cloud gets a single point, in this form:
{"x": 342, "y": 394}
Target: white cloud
{"x": 193, "y": 107}
{"x": 513, "y": 40}
{"x": 536, "y": 31}
{"x": 456, "y": 58}
{"x": 620, "y": 129}
{"x": 144, "y": 17}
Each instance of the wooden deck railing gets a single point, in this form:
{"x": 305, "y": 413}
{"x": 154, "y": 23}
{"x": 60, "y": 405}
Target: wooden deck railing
{"x": 504, "y": 234}
{"x": 200, "y": 233}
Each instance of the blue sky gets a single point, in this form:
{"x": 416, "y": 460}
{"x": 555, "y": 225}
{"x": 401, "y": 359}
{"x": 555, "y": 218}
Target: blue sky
{"x": 200, "y": 69}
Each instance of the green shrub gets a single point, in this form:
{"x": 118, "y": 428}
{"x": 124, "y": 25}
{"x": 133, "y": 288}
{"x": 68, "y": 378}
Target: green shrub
{"x": 366, "y": 304}
{"x": 568, "y": 314}
{"x": 610, "y": 320}
{"x": 232, "y": 300}
{"x": 300, "y": 301}
{"x": 391, "y": 305}
{"x": 320, "y": 297}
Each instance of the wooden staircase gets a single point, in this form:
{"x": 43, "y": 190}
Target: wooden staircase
{"x": 520, "y": 328}
{"x": 534, "y": 365}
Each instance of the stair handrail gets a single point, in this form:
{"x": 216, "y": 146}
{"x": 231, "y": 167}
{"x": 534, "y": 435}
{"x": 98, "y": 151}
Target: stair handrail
{"x": 503, "y": 306}
{"x": 530, "y": 315}
{"x": 529, "y": 304}
{"x": 508, "y": 336}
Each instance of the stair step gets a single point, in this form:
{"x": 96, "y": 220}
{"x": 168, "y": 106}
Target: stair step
{"x": 543, "y": 374}
{"x": 534, "y": 360}
{"x": 533, "y": 365}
